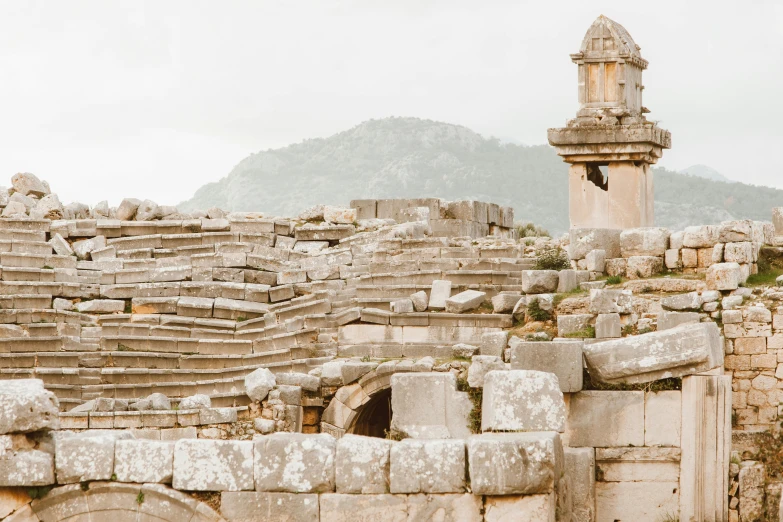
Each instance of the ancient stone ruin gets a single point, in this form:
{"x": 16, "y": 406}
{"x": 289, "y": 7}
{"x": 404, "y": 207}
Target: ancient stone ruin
{"x": 396, "y": 360}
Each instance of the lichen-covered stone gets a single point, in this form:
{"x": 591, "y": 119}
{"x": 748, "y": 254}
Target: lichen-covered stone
{"x": 650, "y": 241}
{"x": 295, "y": 462}
{"x": 213, "y": 465}
{"x": 428, "y": 405}
{"x": 540, "y": 281}
{"x": 362, "y": 465}
{"x": 563, "y": 358}
{"x": 428, "y": 466}
{"x": 26, "y": 406}
{"x": 522, "y": 400}
{"x": 611, "y": 301}
{"x": 514, "y": 463}
{"x": 683, "y": 350}
{"x": 25, "y": 467}
{"x": 259, "y": 383}
{"x": 251, "y": 506}
{"x": 84, "y": 456}
{"x": 480, "y": 366}
{"x": 724, "y": 276}
{"x": 144, "y": 461}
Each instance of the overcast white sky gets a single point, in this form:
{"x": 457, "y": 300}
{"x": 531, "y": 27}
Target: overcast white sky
{"x": 111, "y": 99}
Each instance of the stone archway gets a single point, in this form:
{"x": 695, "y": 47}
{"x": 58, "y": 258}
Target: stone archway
{"x": 97, "y": 501}
{"x": 347, "y": 407}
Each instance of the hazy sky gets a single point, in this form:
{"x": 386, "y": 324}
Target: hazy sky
{"x": 110, "y": 99}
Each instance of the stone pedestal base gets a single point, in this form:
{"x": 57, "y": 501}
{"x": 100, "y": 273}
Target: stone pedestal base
{"x": 624, "y": 200}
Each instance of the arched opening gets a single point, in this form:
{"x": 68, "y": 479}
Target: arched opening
{"x": 374, "y": 418}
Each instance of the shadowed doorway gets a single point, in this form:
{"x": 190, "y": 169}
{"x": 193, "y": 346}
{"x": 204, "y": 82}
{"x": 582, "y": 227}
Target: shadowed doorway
{"x": 374, "y": 419}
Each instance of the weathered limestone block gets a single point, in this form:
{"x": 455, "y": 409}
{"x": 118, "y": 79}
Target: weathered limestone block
{"x": 148, "y": 210}
{"x": 28, "y": 184}
{"x": 573, "y": 325}
{"x": 465, "y": 301}
{"x": 739, "y": 253}
{"x": 724, "y": 276}
{"x": 295, "y": 463}
{"x": 428, "y": 466}
{"x": 564, "y": 359}
{"x": 84, "y": 247}
{"x": 343, "y": 216}
{"x": 735, "y": 231}
{"x": 404, "y": 306}
{"x": 579, "y": 466}
{"x": 643, "y": 267}
{"x": 362, "y": 465}
{"x": 441, "y": 290}
{"x": 616, "y": 266}
{"x": 606, "y": 301}
{"x": 777, "y": 220}
{"x": 504, "y": 303}
{"x": 536, "y": 508}
{"x": 585, "y": 240}
{"x": 588, "y": 409}
{"x": 667, "y": 320}
{"x": 596, "y": 261}
{"x": 480, "y": 366}
{"x": 336, "y": 507}
{"x": 493, "y": 343}
{"x": 26, "y": 406}
{"x": 144, "y": 461}
{"x": 456, "y": 507}
{"x": 679, "y": 351}
{"x": 213, "y": 465}
{"x": 421, "y": 300}
{"x": 569, "y": 280}
{"x": 60, "y": 245}
{"x": 650, "y": 241}
{"x": 635, "y": 500}
{"x": 608, "y": 326}
{"x": 539, "y": 281}
{"x": 24, "y": 467}
{"x": 253, "y": 506}
{"x": 705, "y": 236}
{"x": 428, "y": 405}
{"x": 522, "y": 400}
{"x": 195, "y": 402}
{"x": 101, "y": 306}
{"x": 671, "y": 259}
{"x": 259, "y": 383}
{"x": 88, "y": 455}
{"x": 514, "y": 463}
{"x": 680, "y": 302}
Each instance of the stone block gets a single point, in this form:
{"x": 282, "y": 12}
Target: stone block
{"x": 576, "y": 325}
{"x": 662, "y": 418}
{"x": 679, "y": 351}
{"x": 456, "y": 507}
{"x": 505, "y": 303}
{"x": 608, "y": 326}
{"x": 650, "y": 241}
{"x": 588, "y": 410}
{"x": 493, "y": 343}
{"x": 26, "y": 406}
{"x": 610, "y": 301}
{"x": 480, "y": 366}
{"x": 514, "y": 463}
{"x": 295, "y": 463}
{"x": 777, "y": 220}
{"x": 579, "y": 466}
{"x": 255, "y": 506}
{"x": 441, "y": 290}
{"x": 585, "y": 240}
{"x": 428, "y": 405}
{"x": 596, "y": 261}
{"x": 705, "y": 236}
{"x": 465, "y": 301}
{"x": 259, "y": 383}
{"x": 213, "y": 465}
{"x": 84, "y": 456}
{"x": 636, "y": 500}
{"x": 616, "y": 266}
{"x": 671, "y": 259}
{"x": 404, "y": 306}
{"x": 24, "y": 467}
{"x": 336, "y": 507}
{"x": 680, "y": 302}
{"x": 668, "y": 320}
{"x": 143, "y": 461}
{"x": 690, "y": 257}
{"x": 643, "y": 267}
{"x": 540, "y": 281}
{"x": 738, "y": 253}
{"x": 724, "y": 276}
{"x": 564, "y": 359}
{"x": 428, "y": 466}
{"x": 536, "y": 508}
{"x": 362, "y": 465}
{"x": 522, "y": 400}
{"x": 420, "y": 301}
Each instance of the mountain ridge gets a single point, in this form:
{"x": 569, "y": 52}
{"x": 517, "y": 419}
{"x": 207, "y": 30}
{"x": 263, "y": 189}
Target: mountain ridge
{"x": 402, "y": 157}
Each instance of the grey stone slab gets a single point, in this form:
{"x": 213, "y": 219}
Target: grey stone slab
{"x": 514, "y": 463}
{"x": 579, "y": 467}
{"x": 522, "y": 400}
{"x": 295, "y": 463}
{"x": 26, "y": 406}
{"x": 611, "y": 301}
{"x": 465, "y": 507}
{"x": 336, "y": 507}
{"x": 605, "y": 419}
{"x": 608, "y": 326}
{"x": 362, "y": 465}
{"x": 564, "y": 359}
{"x": 213, "y": 465}
{"x": 683, "y": 350}
{"x": 255, "y": 506}
{"x": 428, "y": 405}
{"x": 668, "y": 320}
{"x": 88, "y": 455}
{"x": 144, "y": 461}
{"x": 28, "y": 467}
{"x": 428, "y": 466}
{"x": 540, "y": 281}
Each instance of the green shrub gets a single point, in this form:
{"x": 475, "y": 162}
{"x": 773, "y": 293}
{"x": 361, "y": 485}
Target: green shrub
{"x": 528, "y": 229}
{"x": 552, "y": 259}
{"x": 536, "y": 313}
{"x": 614, "y": 280}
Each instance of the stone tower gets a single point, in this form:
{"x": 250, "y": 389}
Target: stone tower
{"x": 610, "y": 145}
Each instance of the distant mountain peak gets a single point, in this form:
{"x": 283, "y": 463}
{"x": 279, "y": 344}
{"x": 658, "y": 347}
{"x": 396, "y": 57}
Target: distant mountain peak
{"x": 706, "y": 172}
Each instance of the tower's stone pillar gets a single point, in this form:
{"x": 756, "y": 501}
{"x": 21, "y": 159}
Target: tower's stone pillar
{"x": 610, "y": 144}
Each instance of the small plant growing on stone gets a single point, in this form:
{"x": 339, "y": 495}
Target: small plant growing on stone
{"x": 241, "y": 319}
{"x": 85, "y": 486}
{"x": 392, "y": 434}
{"x": 536, "y": 313}
{"x": 113, "y": 476}
{"x": 140, "y": 498}
{"x": 552, "y": 259}
{"x": 587, "y": 333}
{"x": 128, "y": 307}
{"x": 39, "y": 492}
{"x": 614, "y": 280}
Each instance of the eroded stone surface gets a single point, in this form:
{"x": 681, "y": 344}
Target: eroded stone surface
{"x": 295, "y": 463}
{"x": 362, "y": 465}
{"x": 144, "y": 461}
{"x": 522, "y": 400}
{"x": 213, "y": 465}
{"x": 26, "y": 406}
{"x": 428, "y": 466}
